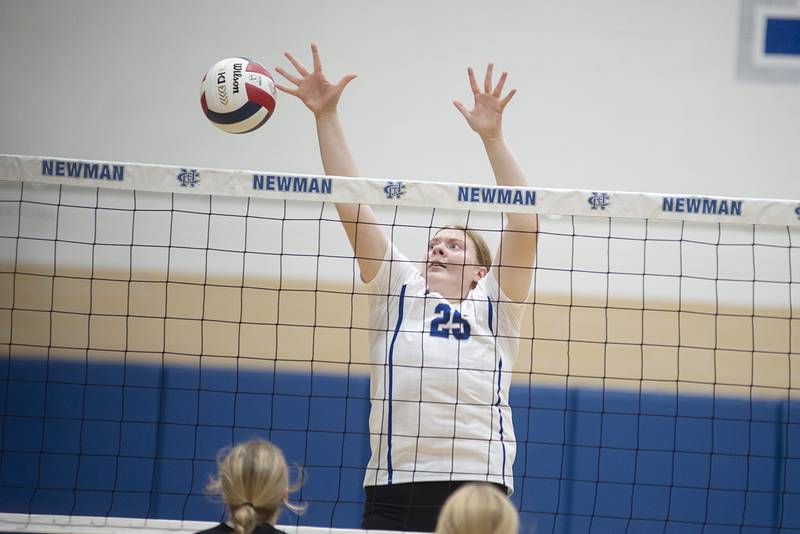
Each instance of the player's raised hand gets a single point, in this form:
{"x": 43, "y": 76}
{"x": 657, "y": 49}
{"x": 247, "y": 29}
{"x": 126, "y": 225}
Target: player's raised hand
{"x": 486, "y": 115}
{"x": 313, "y": 88}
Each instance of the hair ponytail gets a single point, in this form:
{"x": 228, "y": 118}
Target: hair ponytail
{"x": 244, "y": 519}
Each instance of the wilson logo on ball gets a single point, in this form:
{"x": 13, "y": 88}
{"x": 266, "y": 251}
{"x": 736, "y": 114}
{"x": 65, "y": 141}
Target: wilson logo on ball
{"x": 237, "y": 95}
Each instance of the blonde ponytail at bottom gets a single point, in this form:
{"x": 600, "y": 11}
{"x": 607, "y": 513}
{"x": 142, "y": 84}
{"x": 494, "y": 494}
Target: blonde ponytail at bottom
{"x": 253, "y": 479}
{"x": 245, "y": 519}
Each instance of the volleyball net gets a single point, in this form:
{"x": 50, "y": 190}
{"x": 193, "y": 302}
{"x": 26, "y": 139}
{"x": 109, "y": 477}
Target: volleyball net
{"x": 152, "y": 315}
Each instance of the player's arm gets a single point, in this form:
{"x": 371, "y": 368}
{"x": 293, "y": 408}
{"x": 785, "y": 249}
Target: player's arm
{"x": 366, "y": 236}
{"x": 517, "y": 251}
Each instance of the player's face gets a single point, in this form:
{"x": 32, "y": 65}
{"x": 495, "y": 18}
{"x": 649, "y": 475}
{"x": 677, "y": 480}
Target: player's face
{"x": 451, "y": 260}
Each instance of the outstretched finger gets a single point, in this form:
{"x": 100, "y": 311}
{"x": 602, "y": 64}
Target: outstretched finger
{"x": 288, "y": 90}
{"x": 299, "y": 66}
{"x": 344, "y": 81}
{"x": 473, "y": 84}
{"x": 315, "y": 55}
{"x": 487, "y": 81}
{"x": 460, "y": 107}
{"x": 507, "y": 99}
{"x": 288, "y": 76}
{"x": 499, "y": 89}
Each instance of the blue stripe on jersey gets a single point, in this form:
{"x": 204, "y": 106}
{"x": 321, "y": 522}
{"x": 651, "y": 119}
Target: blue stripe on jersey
{"x": 391, "y": 356}
{"x": 499, "y": 379}
{"x": 491, "y": 313}
{"x": 500, "y": 411}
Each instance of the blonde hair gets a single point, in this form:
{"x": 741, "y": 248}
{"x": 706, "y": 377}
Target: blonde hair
{"x": 482, "y": 252}
{"x": 478, "y": 509}
{"x": 253, "y": 480}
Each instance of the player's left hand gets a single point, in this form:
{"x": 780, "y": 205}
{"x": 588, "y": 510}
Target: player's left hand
{"x": 486, "y": 115}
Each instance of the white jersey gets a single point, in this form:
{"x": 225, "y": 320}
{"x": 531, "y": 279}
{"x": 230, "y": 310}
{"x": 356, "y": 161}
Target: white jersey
{"x": 440, "y": 380}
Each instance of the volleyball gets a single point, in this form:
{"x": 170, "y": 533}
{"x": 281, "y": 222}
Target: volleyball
{"x": 237, "y": 95}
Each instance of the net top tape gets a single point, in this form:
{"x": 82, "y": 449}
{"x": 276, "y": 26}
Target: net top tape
{"x": 397, "y": 192}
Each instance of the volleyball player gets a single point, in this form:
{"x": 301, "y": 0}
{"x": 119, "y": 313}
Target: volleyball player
{"x": 444, "y": 339}
{"x": 253, "y": 480}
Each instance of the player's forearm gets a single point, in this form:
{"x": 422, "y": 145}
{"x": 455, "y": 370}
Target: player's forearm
{"x": 507, "y": 172}
{"x": 338, "y": 161}
{"x": 359, "y": 221}
{"x": 336, "y": 157}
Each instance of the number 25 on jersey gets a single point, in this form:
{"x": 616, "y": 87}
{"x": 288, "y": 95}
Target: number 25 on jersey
{"x": 442, "y": 326}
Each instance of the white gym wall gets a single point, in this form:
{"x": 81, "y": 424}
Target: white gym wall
{"x": 613, "y": 95}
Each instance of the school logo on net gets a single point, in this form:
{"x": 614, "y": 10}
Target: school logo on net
{"x": 188, "y": 177}
{"x": 797, "y": 212}
{"x": 394, "y": 189}
{"x": 599, "y": 200}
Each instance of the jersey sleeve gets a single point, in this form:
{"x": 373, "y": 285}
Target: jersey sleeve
{"x": 509, "y": 311}
{"x": 395, "y": 270}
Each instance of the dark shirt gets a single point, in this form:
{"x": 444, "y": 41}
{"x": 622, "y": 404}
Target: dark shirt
{"x": 222, "y": 528}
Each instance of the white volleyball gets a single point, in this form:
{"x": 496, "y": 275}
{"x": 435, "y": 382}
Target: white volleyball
{"x": 238, "y": 95}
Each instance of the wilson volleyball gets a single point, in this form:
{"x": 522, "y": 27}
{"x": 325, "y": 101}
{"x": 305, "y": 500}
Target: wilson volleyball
{"x": 237, "y": 95}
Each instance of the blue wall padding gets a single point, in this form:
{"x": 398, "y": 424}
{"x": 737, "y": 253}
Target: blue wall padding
{"x": 86, "y": 438}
